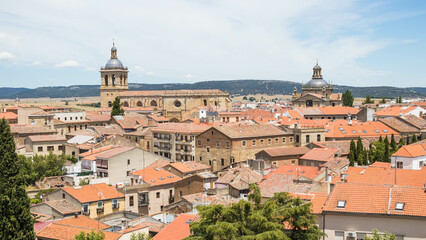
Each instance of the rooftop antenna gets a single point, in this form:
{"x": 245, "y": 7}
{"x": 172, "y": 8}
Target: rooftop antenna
{"x": 317, "y": 61}
{"x": 113, "y": 42}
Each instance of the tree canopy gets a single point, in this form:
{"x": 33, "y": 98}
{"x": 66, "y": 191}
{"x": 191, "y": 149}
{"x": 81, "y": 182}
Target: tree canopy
{"x": 90, "y": 236}
{"x": 348, "y": 99}
{"x": 280, "y": 217}
{"x": 116, "y": 108}
{"x": 15, "y": 218}
{"x": 368, "y": 100}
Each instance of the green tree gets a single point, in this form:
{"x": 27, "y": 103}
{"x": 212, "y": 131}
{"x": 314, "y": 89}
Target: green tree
{"x": 399, "y": 99}
{"x": 352, "y": 149}
{"x": 368, "y": 100}
{"x": 140, "y": 236}
{"x": 243, "y": 220}
{"x": 360, "y": 156}
{"x": 116, "y": 108}
{"x": 386, "y": 156}
{"x": 377, "y": 236}
{"x": 393, "y": 145}
{"x": 348, "y": 99}
{"x": 380, "y": 138}
{"x": 407, "y": 140}
{"x": 383, "y": 100}
{"x": 401, "y": 142}
{"x": 252, "y": 99}
{"x": 35, "y": 168}
{"x": 245, "y": 98}
{"x": 15, "y": 217}
{"x": 414, "y": 139}
{"x": 90, "y": 236}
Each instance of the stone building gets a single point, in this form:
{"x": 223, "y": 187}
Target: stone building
{"x": 316, "y": 93}
{"x": 174, "y": 104}
{"x": 221, "y": 146}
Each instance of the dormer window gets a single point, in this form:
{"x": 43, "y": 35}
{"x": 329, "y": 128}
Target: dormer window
{"x": 341, "y": 204}
{"x": 399, "y": 206}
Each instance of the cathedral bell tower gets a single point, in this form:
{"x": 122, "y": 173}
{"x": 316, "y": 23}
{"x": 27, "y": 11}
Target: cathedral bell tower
{"x": 113, "y": 79}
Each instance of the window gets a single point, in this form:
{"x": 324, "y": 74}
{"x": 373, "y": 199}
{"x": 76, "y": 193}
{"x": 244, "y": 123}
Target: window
{"x": 199, "y": 142}
{"x": 128, "y": 161}
{"x": 210, "y": 162}
{"x": 297, "y": 138}
{"x": 291, "y": 139}
{"x": 201, "y": 159}
{"x": 339, "y": 235}
{"x": 222, "y": 162}
{"x": 261, "y": 142}
{"x": 341, "y": 204}
{"x": 100, "y": 204}
{"x": 307, "y": 139}
{"x": 50, "y": 148}
{"x": 208, "y": 149}
{"x": 157, "y": 194}
{"x": 399, "y": 165}
{"x": 128, "y": 173}
{"x": 254, "y": 143}
{"x": 114, "y": 203}
{"x": 318, "y": 138}
{"x": 217, "y": 143}
{"x": 353, "y": 131}
{"x": 85, "y": 208}
{"x": 40, "y": 149}
{"x": 364, "y": 131}
{"x": 420, "y": 164}
{"x": 227, "y": 144}
{"x": 63, "y": 195}
{"x": 180, "y": 193}
{"x": 244, "y": 143}
{"x": 65, "y": 118}
{"x": 171, "y": 193}
{"x": 131, "y": 201}
{"x": 161, "y": 207}
{"x": 177, "y": 104}
{"x": 269, "y": 141}
{"x": 385, "y": 131}
{"x": 377, "y": 131}
{"x": 284, "y": 139}
{"x": 399, "y": 206}
{"x": 60, "y": 148}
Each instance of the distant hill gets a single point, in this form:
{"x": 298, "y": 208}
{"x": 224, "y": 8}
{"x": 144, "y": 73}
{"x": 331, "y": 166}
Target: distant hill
{"x": 242, "y": 87}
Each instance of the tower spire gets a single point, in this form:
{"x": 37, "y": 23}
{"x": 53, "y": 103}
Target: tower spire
{"x": 113, "y": 50}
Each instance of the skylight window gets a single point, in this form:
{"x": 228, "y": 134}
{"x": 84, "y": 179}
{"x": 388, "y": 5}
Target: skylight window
{"x": 343, "y": 131}
{"x": 161, "y": 178}
{"x": 364, "y": 131}
{"x": 353, "y": 131}
{"x": 399, "y": 206}
{"x": 377, "y": 131}
{"x": 341, "y": 204}
{"x": 385, "y": 131}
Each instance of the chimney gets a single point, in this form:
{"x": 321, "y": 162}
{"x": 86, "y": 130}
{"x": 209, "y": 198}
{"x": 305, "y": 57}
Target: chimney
{"x": 327, "y": 177}
{"x": 75, "y": 215}
{"x": 123, "y": 224}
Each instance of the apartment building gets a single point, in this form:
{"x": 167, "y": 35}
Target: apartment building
{"x": 176, "y": 141}
{"x": 45, "y": 144}
{"x": 221, "y": 146}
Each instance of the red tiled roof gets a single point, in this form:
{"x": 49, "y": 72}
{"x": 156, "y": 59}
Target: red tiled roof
{"x": 65, "y": 232}
{"x": 248, "y": 131}
{"x": 320, "y": 154}
{"x": 181, "y": 127}
{"x": 288, "y": 151}
{"x": 8, "y": 115}
{"x": 156, "y": 176}
{"x": 377, "y": 199}
{"x": 47, "y": 138}
{"x": 411, "y": 151}
{"x": 93, "y": 193}
{"x": 83, "y": 221}
{"x": 394, "y": 111}
{"x": 189, "y": 166}
{"x": 177, "y": 229}
{"x": 365, "y": 129}
{"x": 294, "y": 170}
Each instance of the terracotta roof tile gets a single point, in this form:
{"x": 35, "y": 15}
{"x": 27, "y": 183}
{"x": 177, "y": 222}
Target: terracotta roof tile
{"x": 248, "y": 131}
{"x": 93, "y": 193}
{"x": 338, "y": 129}
{"x": 65, "y": 232}
{"x": 295, "y": 170}
{"x": 288, "y": 151}
{"x": 8, "y": 115}
{"x": 83, "y": 221}
{"x": 189, "y": 166}
{"x": 411, "y": 151}
{"x": 30, "y": 129}
{"x": 282, "y": 183}
{"x": 320, "y": 154}
{"x": 177, "y": 229}
{"x": 156, "y": 176}
{"x": 394, "y": 111}
{"x": 47, "y": 138}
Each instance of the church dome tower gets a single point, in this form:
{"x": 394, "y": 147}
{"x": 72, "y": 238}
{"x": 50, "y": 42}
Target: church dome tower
{"x": 113, "y": 79}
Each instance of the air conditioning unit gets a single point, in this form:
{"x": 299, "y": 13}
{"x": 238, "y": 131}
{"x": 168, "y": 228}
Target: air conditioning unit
{"x": 351, "y": 234}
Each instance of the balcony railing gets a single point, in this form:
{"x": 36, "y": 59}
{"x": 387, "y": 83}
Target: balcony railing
{"x": 143, "y": 203}
{"x": 86, "y": 213}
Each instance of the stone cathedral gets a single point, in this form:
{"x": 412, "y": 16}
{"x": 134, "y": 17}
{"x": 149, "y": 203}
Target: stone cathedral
{"x": 174, "y": 104}
{"x": 316, "y": 93}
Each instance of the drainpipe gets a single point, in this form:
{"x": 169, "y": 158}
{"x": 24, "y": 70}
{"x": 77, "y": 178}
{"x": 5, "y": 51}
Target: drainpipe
{"x": 323, "y": 224}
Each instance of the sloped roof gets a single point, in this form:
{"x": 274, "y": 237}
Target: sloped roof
{"x": 377, "y": 199}
{"x": 320, "y": 154}
{"x": 30, "y": 129}
{"x": 47, "y": 138}
{"x": 63, "y": 206}
{"x": 342, "y": 145}
{"x": 177, "y": 229}
{"x": 411, "y": 151}
{"x": 249, "y": 131}
{"x": 282, "y": 183}
{"x": 295, "y": 170}
{"x": 93, "y": 193}
{"x": 355, "y": 130}
{"x": 8, "y": 115}
{"x": 394, "y": 111}
{"x": 156, "y": 176}
{"x": 286, "y": 151}
{"x": 189, "y": 166}
{"x": 66, "y": 232}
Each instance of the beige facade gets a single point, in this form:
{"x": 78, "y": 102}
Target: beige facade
{"x": 216, "y": 149}
{"x": 174, "y": 104}
{"x": 50, "y": 144}
{"x": 304, "y": 136}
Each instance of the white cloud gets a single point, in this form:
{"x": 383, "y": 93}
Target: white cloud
{"x": 189, "y": 76}
{"x": 6, "y": 56}
{"x": 66, "y": 64}
{"x": 150, "y": 73}
{"x": 35, "y": 63}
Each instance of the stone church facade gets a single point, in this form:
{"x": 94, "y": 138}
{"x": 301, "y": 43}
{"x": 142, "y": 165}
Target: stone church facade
{"x": 174, "y": 104}
{"x": 316, "y": 93}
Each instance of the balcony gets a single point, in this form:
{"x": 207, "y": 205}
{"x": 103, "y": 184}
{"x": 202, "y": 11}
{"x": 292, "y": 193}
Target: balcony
{"x": 143, "y": 203}
{"x": 171, "y": 200}
{"x": 100, "y": 210}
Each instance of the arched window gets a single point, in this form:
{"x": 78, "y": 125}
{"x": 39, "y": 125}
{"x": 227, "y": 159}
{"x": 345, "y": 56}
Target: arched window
{"x": 109, "y": 104}
{"x": 205, "y": 102}
{"x": 106, "y": 80}
{"x": 113, "y": 80}
{"x": 125, "y": 104}
{"x": 153, "y": 103}
{"x": 121, "y": 79}
{"x": 139, "y": 104}
{"x": 215, "y": 103}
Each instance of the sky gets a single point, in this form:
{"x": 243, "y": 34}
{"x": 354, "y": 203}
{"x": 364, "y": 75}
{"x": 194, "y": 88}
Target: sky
{"x": 357, "y": 43}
